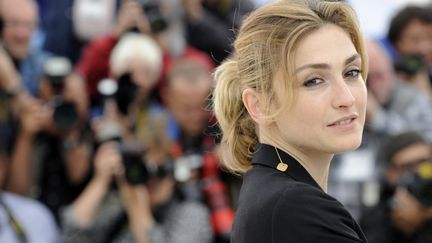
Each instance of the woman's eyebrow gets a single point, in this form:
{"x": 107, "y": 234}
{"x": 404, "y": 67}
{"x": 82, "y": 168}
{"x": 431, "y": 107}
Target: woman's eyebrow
{"x": 325, "y": 65}
{"x": 352, "y": 58}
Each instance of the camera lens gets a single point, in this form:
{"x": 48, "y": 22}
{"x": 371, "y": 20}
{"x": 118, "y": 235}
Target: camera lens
{"x": 65, "y": 116}
{"x": 126, "y": 93}
{"x": 135, "y": 169}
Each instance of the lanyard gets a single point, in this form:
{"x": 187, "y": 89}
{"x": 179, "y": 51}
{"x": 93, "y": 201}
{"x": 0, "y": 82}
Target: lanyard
{"x": 16, "y": 226}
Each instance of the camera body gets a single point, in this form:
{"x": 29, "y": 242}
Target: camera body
{"x": 133, "y": 161}
{"x": 65, "y": 115}
{"x": 157, "y": 21}
{"x": 419, "y": 184}
{"x": 409, "y": 64}
{"x": 122, "y": 91}
{"x": 137, "y": 170}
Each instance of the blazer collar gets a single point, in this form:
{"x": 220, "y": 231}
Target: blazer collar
{"x": 266, "y": 155}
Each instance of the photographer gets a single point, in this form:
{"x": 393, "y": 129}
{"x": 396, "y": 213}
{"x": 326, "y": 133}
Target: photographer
{"x": 192, "y": 128}
{"x": 410, "y": 34}
{"x": 413, "y": 70}
{"x": 211, "y": 25}
{"x": 404, "y": 213}
{"x": 148, "y": 210}
{"x": 23, "y": 219}
{"x": 136, "y": 63}
{"x": 409, "y": 31}
{"x": 94, "y": 65}
{"x": 51, "y": 154}
{"x": 19, "y": 20}
{"x": 393, "y": 106}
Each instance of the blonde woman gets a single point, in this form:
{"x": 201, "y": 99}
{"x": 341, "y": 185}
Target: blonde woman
{"x": 291, "y": 96}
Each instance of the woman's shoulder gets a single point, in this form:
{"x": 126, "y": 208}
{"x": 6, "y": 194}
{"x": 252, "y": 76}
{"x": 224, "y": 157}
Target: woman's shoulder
{"x": 311, "y": 209}
{"x": 270, "y": 182}
{"x": 265, "y": 190}
{"x": 289, "y": 209}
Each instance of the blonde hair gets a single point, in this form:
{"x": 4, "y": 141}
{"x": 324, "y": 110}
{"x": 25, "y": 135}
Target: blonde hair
{"x": 265, "y": 45}
{"x": 135, "y": 45}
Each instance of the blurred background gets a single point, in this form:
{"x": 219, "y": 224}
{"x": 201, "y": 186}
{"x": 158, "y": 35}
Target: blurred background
{"x": 106, "y": 131}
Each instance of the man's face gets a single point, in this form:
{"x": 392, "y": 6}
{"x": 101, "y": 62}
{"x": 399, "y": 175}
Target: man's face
{"x": 20, "y": 19}
{"x": 416, "y": 38}
{"x": 408, "y": 160}
{"x": 381, "y": 77}
{"x": 187, "y": 104}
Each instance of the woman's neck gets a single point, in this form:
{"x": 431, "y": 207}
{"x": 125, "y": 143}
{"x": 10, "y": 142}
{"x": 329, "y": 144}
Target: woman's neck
{"x": 316, "y": 164}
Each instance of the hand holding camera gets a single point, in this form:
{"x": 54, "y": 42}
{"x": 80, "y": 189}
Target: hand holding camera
{"x": 407, "y": 214}
{"x": 59, "y": 95}
{"x": 34, "y": 117}
{"x": 412, "y": 202}
{"x": 107, "y": 163}
{"x": 130, "y": 16}
{"x": 136, "y": 202}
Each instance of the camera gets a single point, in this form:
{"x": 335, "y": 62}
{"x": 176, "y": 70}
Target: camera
{"x": 133, "y": 161}
{"x": 157, "y": 21}
{"x": 419, "y": 184}
{"x": 65, "y": 114}
{"x": 122, "y": 91}
{"x": 137, "y": 171}
{"x": 409, "y": 64}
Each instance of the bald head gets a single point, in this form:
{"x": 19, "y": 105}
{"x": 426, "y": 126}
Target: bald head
{"x": 20, "y": 19}
{"x": 189, "y": 84}
{"x": 381, "y": 78}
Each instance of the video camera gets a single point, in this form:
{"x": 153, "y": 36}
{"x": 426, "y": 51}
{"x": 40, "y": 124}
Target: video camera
{"x": 65, "y": 114}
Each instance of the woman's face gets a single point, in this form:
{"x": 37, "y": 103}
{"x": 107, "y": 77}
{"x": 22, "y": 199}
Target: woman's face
{"x": 329, "y": 113}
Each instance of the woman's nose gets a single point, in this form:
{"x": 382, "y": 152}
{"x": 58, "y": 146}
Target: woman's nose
{"x": 343, "y": 96}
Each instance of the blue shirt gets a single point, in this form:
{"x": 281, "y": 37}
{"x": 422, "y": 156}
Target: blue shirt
{"x": 36, "y": 220}
{"x": 31, "y": 69}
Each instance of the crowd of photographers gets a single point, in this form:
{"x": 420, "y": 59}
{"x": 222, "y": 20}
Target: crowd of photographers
{"x": 106, "y": 133}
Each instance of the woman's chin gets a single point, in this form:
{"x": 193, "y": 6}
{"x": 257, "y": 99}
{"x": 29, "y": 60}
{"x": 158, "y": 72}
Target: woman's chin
{"x": 348, "y": 145}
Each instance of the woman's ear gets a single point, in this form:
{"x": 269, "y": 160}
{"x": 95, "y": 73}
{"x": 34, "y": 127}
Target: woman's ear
{"x": 251, "y": 101}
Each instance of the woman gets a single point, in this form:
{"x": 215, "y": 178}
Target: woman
{"x": 292, "y": 95}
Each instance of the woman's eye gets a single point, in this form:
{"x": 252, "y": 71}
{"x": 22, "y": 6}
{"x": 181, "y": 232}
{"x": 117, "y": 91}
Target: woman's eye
{"x": 312, "y": 82}
{"x": 353, "y": 73}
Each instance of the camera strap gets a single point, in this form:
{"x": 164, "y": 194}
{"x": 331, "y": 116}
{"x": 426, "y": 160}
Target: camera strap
{"x": 14, "y": 223}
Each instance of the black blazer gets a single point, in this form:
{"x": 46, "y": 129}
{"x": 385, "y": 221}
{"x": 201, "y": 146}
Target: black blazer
{"x": 285, "y": 207}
